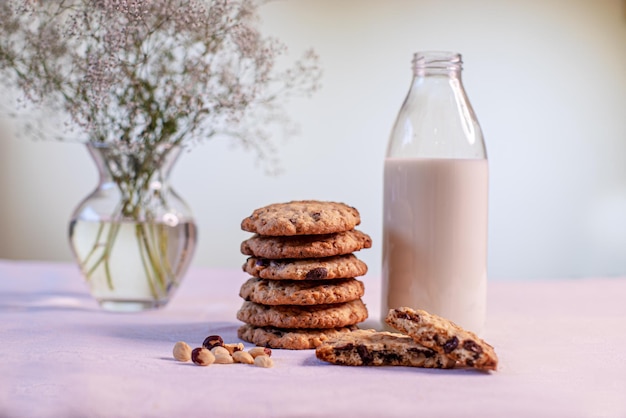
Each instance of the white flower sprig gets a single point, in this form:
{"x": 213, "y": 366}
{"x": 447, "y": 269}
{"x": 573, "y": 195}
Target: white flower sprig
{"x": 139, "y": 79}
{"x": 153, "y": 72}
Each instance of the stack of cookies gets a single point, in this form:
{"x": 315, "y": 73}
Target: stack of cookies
{"x": 303, "y": 290}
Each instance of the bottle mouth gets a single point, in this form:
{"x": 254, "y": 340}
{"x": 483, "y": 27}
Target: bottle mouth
{"x": 437, "y": 60}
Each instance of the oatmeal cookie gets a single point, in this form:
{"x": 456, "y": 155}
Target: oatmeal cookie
{"x": 298, "y": 292}
{"x": 337, "y": 267}
{"x": 306, "y": 246}
{"x": 303, "y": 217}
{"x": 290, "y": 339}
{"x": 314, "y": 316}
{"x": 444, "y": 336}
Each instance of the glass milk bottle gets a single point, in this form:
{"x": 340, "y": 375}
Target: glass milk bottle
{"x": 436, "y": 199}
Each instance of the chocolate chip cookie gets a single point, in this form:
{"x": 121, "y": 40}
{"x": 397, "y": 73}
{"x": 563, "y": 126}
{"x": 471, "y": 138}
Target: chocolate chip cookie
{"x": 306, "y": 246}
{"x": 337, "y": 267}
{"x": 372, "y": 348}
{"x": 315, "y": 316}
{"x": 303, "y": 217}
{"x": 444, "y": 336}
{"x": 298, "y": 292}
{"x": 291, "y": 339}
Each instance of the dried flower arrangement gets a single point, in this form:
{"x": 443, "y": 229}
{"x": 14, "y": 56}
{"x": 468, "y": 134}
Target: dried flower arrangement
{"x": 152, "y": 72}
{"x": 145, "y": 77}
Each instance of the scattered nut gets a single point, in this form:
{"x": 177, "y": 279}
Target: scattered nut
{"x": 182, "y": 351}
{"x": 220, "y": 351}
{"x": 260, "y": 351}
{"x": 214, "y": 351}
{"x": 212, "y": 341}
{"x": 222, "y": 358}
{"x": 232, "y": 348}
{"x": 243, "y": 357}
{"x": 263, "y": 361}
{"x": 202, "y": 357}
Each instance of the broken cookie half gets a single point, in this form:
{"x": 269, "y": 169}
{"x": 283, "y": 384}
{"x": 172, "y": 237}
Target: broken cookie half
{"x": 373, "y": 348}
{"x": 444, "y": 336}
{"x": 426, "y": 340}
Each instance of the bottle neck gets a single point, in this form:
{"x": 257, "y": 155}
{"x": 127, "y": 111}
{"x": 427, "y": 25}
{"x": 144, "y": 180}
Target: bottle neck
{"x": 442, "y": 63}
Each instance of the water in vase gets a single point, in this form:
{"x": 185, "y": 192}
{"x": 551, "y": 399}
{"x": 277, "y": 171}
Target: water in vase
{"x": 132, "y": 266}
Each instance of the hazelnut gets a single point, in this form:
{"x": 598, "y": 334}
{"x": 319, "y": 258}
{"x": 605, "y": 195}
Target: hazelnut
{"x": 263, "y": 361}
{"x": 243, "y": 357}
{"x": 182, "y": 351}
{"x": 212, "y": 341}
{"x": 260, "y": 351}
{"x": 202, "y": 357}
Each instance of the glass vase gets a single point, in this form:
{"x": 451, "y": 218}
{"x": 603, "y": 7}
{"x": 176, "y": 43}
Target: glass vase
{"x": 133, "y": 237}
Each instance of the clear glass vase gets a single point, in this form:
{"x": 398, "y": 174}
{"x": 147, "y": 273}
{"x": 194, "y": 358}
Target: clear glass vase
{"x": 133, "y": 236}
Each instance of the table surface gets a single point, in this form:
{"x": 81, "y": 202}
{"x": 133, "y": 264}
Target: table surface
{"x": 561, "y": 345}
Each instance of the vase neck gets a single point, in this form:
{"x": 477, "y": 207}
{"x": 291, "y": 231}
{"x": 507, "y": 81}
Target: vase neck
{"x": 134, "y": 164}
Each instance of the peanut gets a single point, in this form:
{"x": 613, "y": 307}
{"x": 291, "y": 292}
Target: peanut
{"x": 243, "y": 357}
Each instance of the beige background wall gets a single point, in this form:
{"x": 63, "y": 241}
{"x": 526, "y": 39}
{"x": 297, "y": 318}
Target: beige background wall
{"x": 547, "y": 79}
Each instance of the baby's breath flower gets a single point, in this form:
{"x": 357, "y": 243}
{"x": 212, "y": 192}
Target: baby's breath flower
{"x": 153, "y": 72}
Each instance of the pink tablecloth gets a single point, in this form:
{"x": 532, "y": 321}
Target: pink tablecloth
{"x": 561, "y": 343}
